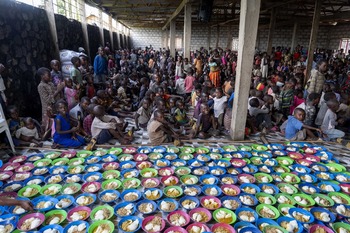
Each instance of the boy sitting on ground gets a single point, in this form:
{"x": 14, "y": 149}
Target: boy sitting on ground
{"x": 158, "y": 130}
{"x": 296, "y": 130}
{"x": 106, "y": 127}
{"x": 261, "y": 115}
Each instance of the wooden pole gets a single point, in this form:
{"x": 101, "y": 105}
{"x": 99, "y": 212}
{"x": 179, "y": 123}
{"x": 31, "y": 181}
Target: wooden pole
{"x": 271, "y": 30}
{"x": 248, "y": 28}
{"x": 187, "y": 31}
{"x": 51, "y": 17}
{"x": 313, "y": 38}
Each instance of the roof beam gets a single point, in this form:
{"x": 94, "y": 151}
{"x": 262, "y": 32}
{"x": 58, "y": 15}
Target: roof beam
{"x": 176, "y": 13}
{"x": 276, "y": 5}
{"x": 337, "y": 16}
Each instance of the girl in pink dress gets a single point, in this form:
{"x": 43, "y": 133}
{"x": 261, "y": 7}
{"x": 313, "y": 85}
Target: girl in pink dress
{"x": 298, "y": 99}
{"x": 70, "y": 94}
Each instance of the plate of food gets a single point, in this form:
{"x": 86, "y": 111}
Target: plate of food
{"x": 124, "y": 209}
{"x": 55, "y": 217}
{"x": 104, "y": 226}
{"x": 78, "y": 213}
{"x": 153, "y": 224}
{"x": 30, "y": 221}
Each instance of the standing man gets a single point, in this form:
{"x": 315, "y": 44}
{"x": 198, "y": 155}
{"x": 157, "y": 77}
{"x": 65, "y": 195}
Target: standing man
{"x": 100, "y": 67}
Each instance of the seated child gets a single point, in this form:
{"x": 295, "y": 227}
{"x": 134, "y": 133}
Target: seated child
{"x": 204, "y": 98}
{"x": 160, "y": 105}
{"x": 158, "y": 130}
{"x": 180, "y": 115}
{"x": 219, "y": 106}
{"x": 310, "y": 109}
{"x": 106, "y": 127}
{"x": 28, "y": 135}
{"x": 87, "y": 122}
{"x": 15, "y": 122}
{"x": 143, "y": 114}
{"x": 296, "y": 130}
{"x": 261, "y": 115}
{"x": 323, "y": 108}
{"x": 196, "y": 94}
{"x": 205, "y": 124}
{"x": 330, "y": 121}
{"x": 121, "y": 93}
{"x": 65, "y": 135}
{"x": 172, "y": 107}
{"x": 90, "y": 88}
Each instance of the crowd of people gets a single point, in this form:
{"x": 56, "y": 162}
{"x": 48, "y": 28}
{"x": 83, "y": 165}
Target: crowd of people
{"x": 157, "y": 91}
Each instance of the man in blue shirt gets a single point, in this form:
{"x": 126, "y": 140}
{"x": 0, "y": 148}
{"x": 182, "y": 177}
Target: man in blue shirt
{"x": 100, "y": 67}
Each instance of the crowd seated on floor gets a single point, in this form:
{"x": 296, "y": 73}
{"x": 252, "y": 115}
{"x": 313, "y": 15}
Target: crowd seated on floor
{"x": 91, "y": 105}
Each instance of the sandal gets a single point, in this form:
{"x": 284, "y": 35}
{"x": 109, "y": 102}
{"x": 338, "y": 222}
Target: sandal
{"x": 55, "y": 146}
{"x": 131, "y": 132}
{"x": 46, "y": 135}
{"x": 91, "y": 144}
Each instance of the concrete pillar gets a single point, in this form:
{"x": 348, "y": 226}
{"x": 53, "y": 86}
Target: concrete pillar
{"x": 248, "y": 27}
{"x": 187, "y": 30}
{"x": 111, "y": 32}
{"x": 313, "y": 38}
{"x": 124, "y": 41}
{"x": 271, "y": 30}
{"x": 294, "y": 36}
{"x": 172, "y": 37}
{"x": 102, "y": 37}
{"x": 84, "y": 26}
{"x": 118, "y": 37}
{"x": 166, "y": 39}
{"x": 51, "y": 17}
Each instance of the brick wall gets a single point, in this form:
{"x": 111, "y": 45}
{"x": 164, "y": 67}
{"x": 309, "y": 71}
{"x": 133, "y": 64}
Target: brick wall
{"x": 328, "y": 36}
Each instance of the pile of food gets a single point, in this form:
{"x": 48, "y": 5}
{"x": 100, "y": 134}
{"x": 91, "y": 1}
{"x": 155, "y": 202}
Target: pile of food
{"x": 294, "y": 186}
